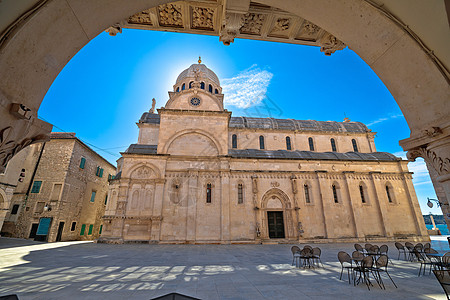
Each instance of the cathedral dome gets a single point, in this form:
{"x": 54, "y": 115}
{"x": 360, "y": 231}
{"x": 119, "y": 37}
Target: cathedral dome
{"x": 205, "y": 74}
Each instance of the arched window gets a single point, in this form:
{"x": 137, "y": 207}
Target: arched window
{"x": 335, "y": 196}
{"x": 202, "y": 85}
{"x": 388, "y": 194}
{"x": 234, "y": 141}
{"x": 361, "y": 192}
{"x": 261, "y": 142}
{"x": 178, "y": 89}
{"x": 240, "y": 193}
{"x": 311, "y": 144}
{"x": 183, "y": 87}
{"x": 210, "y": 88}
{"x": 216, "y": 91}
{"x": 355, "y": 146}
{"x": 307, "y": 199}
{"x": 288, "y": 143}
{"x": 190, "y": 84}
{"x": 333, "y": 145}
{"x": 208, "y": 192}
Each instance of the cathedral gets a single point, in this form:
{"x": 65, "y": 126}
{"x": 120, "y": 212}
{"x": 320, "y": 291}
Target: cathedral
{"x": 199, "y": 175}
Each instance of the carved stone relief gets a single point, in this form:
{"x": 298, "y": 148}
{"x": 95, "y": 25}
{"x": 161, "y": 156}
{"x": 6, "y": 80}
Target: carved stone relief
{"x": 330, "y": 44}
{"x": 282, "y": 24}
{"x": 143, "y": 173}
{"x": 170, "y": 15}
{"x": 230, "y": 28}
{"x": 441, "y": 165}
{"x": 202, "y": 18}
{"x": 141, "y": 18}
{"x": 252, "y": 23}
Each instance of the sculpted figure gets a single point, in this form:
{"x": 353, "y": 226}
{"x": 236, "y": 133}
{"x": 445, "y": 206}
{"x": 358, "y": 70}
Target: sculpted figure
{"x": 152, "y": 110}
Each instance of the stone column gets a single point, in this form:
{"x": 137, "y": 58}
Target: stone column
{"x": 225, "y": 207}
{"x": 296, "y": 220}
{"x": 382, "y": 209}
{"x": 191, "y": 220}
{"x": 121, "y": 208}
{"x": 357, "y": 233}
{"x": 257, "y": 209}
{"x": 321, "y": 174}
{"x": 156, "y": 218}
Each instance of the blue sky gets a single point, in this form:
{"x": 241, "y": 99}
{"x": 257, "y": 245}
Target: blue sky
{"x": 105, "y": 88}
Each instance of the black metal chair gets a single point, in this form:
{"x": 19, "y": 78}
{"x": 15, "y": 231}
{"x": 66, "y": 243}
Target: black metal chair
{"x": 443, "y": 276}
{"x": 400, "y": 249}
{"x": 381, "y": 266}
{"x": 344, "y": 258}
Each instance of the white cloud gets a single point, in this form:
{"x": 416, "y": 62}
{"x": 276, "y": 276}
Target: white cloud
{"x": 419, "y": 168}
{"x": 384, "y": 119}
{"x": 248, "y": 88}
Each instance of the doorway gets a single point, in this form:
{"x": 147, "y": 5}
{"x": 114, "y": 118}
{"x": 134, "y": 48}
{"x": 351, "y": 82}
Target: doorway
{"x": 33, "y": 230}
{"x": 275, "y": 224}
{"x": 60, "y": 231}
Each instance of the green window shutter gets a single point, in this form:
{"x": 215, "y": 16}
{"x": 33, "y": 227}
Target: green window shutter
{"x": 97, "y": 171}
{"x": 101, "y": 173}
{"x": 82, "y": 162}
{"x": 101, "y": 228}
{"x": 90, "y": 229}
{"x": 83, "y": 228}
{"x": 36, "y": 187}
{"x": 93, "y": 196}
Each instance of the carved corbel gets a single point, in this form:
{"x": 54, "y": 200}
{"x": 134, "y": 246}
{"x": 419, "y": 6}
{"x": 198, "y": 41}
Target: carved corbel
{"x": 329, "y": 44}
{"x": 230, "y": 27}
{"x": 115, "y": 29}
{"x": 439, "y": 164}
{"x": 433, "y": 131}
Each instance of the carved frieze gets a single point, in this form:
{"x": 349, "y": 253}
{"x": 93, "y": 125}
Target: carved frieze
{"x": 230, "y": 28}
{"x": 330, "y": 44}
{"x": 202, "y": 18}
{"x": 440, "y": 164}
{"x": 282, "y": 24}
{"x": 143, "y": 17}
{"x": 170, "y": 15}
{"x": 253, "y": 23}
{"x": 143, "y": 172}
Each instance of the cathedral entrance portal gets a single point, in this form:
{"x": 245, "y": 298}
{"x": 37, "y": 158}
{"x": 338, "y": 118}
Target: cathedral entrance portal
{"x": 276, "y": 224}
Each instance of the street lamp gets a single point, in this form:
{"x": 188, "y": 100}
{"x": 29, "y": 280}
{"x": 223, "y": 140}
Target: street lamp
{"x": 430, "y": 204}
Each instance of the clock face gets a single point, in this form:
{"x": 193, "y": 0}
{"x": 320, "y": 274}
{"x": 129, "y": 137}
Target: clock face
{"x": 195, "y": 101}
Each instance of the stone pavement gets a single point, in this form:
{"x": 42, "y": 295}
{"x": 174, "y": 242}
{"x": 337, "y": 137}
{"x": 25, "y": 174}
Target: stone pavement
{"x": 85, "y": 270}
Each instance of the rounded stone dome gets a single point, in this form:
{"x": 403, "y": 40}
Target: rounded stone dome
{"x": 205, "y": 74}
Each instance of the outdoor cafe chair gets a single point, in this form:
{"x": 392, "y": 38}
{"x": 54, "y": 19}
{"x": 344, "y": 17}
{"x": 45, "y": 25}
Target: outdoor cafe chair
{"x": 401, "y": 249}
{"x": 315, "y": 255}
{"x": 374, "y": 250}
{"x": 364, "y": 270}
{"x": 344, "y": 258}
{"x": 367, "y": 247}
{"x": 357, "y": 257}
{"x": 295, "y": 255}
{"x": 305, "y": 257}
{"x": 427, "y": 246}
{"x": 424, "y": 261}
{"x": 443, "y": 276}
{"x": 359, "y": 248}
{"x": 410, "y": 248}
{"x": 381, "y": 265}
{"x": 384, "y": 249}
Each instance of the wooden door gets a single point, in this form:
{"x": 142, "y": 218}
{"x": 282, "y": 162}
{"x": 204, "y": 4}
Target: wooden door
{"x": 276, "y": 224}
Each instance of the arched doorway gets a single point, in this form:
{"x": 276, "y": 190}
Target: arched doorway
{"x": 276, "y": 216}
{"x": 35, "y": 48}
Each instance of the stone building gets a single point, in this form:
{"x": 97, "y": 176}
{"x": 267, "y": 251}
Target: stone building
{"x": 198, "y": 175}
{"x": 64, "y": 193}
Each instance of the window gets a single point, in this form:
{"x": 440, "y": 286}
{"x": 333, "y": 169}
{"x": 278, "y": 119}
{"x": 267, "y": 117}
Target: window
{"x": 361, "y": 192}
{"x": 261, "y": 142}
{"x": 178, "y": 89}
{"x": 335, "y": 196}
{"x": 234, "y": 141}
{"x": 183, "y": 87}
{"x": 36, "y": 187}
{"x": 208, "y": 192}
{"x": 355, "y": 146}
{"x": 311, "y": 144}
{"x": 101, "y": 173}
{"x": 190, "y": 84}
{"x": 210, "y": 89}
{"x": 15, "y": 209}
{"x": 240, "y": 193}
{"x": 216, "y": 91}
{"x": 56, "y": 191}
{"x": 93, "y": 196}
{"x": 106, "y": 199}
{"x": 39, "y": 207}
{"x": 82, "y": 162}
{"x": 288, "y": 143}
{"x": 73, "y": 226}
{"x": 83, "y": 229}
{"x": 307, "y": 199}
{"x": 388, "y": 194}
{"x": 101, "y": 228}
{"x": 202, "y": 85}
{"x": 90, "y": 229}
{"x": 333, "y": 145}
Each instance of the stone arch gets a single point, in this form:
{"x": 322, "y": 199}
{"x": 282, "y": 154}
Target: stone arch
{"x": 275, "y": 192}
{"x": 3, "y": 202}
{"x": 154, "y": 171}
{"x": 207, "y": 135}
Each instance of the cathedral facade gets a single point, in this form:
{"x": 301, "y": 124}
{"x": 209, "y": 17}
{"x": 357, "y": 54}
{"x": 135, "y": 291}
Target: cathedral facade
{"x": 199, "y": 175}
